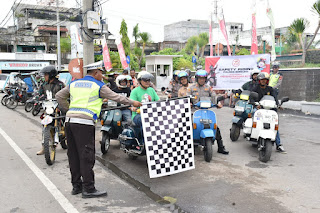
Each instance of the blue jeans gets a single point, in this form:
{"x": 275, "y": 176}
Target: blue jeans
{"x": 277, "y": 136}
{"x": 138, "y": 129}
{"x": 126, "y": 115}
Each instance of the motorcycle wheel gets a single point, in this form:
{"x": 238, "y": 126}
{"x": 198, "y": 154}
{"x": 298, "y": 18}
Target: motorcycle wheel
{"x": 36, "y": 110}
{"x": 4, "y": 100}
{"x": 48, "y": 144}
{"x": 63, "y": 143}
{"x": 207, "y": 151}
{"x": 265, "y": 153}
{"x": 11, "y": 103}
{"x": 105, "y": 142}
{"x": 234, "y": 132}
{"x": 28, "y": 107}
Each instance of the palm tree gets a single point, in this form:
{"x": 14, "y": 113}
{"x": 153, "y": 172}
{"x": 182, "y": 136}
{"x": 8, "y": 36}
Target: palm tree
{"x": 316, "y": 10}
{"x": 135, "y": 34}
{"x": 203, "y": 40}
{"x": 297, "y": 27}
{"x": 145, "y": 39}
{"x": 191, "y": 44}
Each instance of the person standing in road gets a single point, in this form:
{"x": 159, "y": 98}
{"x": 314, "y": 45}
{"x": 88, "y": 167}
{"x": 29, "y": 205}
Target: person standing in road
{"x": 201, "y": 89}
{"x": 51, "y": 84}
{"x": 86, "y": 97}
{"x": 275, "y": 79}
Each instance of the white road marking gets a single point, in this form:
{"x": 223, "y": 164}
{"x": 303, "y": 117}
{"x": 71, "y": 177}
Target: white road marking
{"x": 63, "y": 201}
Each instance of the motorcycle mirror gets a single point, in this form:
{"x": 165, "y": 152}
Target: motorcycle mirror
{"x": 163, "y": 89}
{"x": 284, "y": 99}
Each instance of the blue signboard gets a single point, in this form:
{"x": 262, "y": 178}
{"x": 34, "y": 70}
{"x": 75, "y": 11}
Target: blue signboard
{"x": 128, "y": 59}
{"x": 194, "y": 59}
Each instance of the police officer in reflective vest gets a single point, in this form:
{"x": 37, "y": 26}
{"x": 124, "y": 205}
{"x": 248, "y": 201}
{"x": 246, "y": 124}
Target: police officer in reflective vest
{"x": 275, "y": 79}
{"x": 86, "y": 97}
{"x": 201, "y": 89}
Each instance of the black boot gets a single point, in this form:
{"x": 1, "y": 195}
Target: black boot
{"x": 221, "y": 148}
{"x": 77, "y": 189}
{"x": 93, "y": 194}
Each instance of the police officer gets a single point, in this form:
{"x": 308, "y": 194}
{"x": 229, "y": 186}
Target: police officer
{"x": 275, "y": 79}
{"x": 184, "y": 81}
{"x": 51, "y": 84}
{"x": 201, "y": 89}
{"x": 263, "y": 89}
{"x": 174, "y": 85}
{"x": 86, "y": 97}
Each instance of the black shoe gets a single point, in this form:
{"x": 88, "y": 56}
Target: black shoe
{"x": 76, "y": 190}
{"x": 93, "y": 194}
{"x": 222, "y": 150}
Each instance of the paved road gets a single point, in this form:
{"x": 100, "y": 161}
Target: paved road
{"x": 36, "y": 187}
{"x": 234, "y": 183}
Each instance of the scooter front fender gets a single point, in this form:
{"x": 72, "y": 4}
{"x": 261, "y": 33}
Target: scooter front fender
{"x": 237, "y": 120}
{"x": 268, "y": 134}
{"x": 207, "y": 133}
{"x": 106, "y": 128}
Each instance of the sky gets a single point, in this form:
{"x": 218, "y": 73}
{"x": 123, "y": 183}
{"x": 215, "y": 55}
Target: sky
{"x": 152, "y": 15}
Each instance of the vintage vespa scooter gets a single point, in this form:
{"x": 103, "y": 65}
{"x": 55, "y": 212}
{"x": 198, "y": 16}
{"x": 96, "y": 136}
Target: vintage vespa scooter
{"x": 262, "y": 129}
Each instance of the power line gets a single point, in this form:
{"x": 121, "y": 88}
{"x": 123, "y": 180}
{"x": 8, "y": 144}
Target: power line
{"x": 12, "y": 13}
{"x": 8, "y": 12}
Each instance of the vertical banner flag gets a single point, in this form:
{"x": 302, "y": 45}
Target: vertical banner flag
{"x": 168, "y": 136}
{"x": 223, "y": 29}
{"x": 270, "y": 16}
{"x": 106, "y": 58}
{"x": 231, "y": 72}
{"x": 122, "y": 54}
{"x": 254, "y": 40}
{"x": 76, "y": 42}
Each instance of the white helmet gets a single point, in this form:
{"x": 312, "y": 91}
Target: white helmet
{"x": 121, "y": 78}
{"x": 254, "y": 71}
{"x": 144, "y": 75}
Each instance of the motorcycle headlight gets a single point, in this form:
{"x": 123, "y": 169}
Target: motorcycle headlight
{"x": 49, "y": 110}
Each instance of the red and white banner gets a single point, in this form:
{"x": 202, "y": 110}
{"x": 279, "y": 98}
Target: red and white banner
{"x": 223, "y": 29}
{"x": 254, "y": 40}
{"x": 106, "y": 58}
{"x": 231, "y": 72}
{"x": 122, "y": 55}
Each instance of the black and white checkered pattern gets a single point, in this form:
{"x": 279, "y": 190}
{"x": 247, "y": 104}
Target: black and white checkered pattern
{"x": 168, "y": 138}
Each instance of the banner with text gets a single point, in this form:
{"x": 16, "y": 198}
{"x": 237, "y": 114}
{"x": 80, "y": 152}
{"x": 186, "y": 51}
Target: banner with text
{"x": 231, "y": 72}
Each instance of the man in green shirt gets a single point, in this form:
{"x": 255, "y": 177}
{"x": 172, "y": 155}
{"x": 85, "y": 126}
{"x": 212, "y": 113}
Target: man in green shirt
{"x": 144, "y": 93}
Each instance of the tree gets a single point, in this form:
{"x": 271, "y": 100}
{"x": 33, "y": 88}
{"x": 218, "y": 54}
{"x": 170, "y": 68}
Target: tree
{"x": 135, "y": 34}
{"x": 145, "y": 38}
{"x": 243, "y": 51}
{"x": 203, "y": 40}
{"x": 316, "y": 10}
{"x": 191, "y": 44}
{"x": 297, "y": 27}
{"x": 65, "y": 44}
{"x": 124, "y": 37}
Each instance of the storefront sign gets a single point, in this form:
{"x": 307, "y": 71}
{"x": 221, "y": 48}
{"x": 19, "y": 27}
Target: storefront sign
{"x": 21, "y": 65}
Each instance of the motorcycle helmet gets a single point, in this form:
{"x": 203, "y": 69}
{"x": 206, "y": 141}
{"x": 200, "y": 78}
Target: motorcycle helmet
{"x": 263, "y": 75}
{"x": 119, "y": 79}
{"x": 175, "y": 73}
{"x": 199, "y": 67}
{"x": 50, "y": 70}
{"x": 183, "y": 74}
{"x": 201, "y": 73}
{"x": 144, "y": 75}
{"x": 129, "y": 78}
{"x": 275, "y": 65}
{"x": 254, "y": 71}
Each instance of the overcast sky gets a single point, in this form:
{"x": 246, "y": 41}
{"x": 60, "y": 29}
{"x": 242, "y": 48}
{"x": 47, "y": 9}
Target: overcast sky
{"x": 152, "y": 15}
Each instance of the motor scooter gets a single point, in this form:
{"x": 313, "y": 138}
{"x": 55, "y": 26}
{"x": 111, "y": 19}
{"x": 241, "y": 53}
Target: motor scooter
{"x": 243, "y": 110}
{"x": 205, "y": 126}
{"x": 111, "y": 121}
{"x": 261, "y": 130}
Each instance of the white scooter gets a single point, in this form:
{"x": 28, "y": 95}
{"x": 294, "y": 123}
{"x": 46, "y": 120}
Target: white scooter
{"x": 262, "y": 129}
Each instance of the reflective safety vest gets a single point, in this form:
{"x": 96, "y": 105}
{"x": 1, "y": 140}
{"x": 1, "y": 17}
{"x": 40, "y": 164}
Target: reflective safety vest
{"x": 85, "y": 97}
{"x": 274, "y": 78}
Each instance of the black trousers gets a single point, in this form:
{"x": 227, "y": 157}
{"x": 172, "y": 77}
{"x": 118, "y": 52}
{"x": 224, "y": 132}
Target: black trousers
{"x": 81, "y": 154}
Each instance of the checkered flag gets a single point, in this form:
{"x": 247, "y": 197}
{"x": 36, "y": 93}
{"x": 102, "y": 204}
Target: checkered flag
{"x": 168, "y": 138}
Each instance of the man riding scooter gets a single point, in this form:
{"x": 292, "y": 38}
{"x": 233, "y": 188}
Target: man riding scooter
{"x": 262, "y": 89}
{"x": 201, "y": 89}
{"x": 174, "y": 85}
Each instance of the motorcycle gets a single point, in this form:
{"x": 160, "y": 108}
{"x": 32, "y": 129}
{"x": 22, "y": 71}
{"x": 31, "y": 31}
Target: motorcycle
{"x": 19, "y": 95}
{"x": 204, "y": 127}
{"x": 262, "y": 129}
{"x": 38, "y": 105}
{"x": 111, "y": 121}
{"x": 8, "y": 92}
{"x": 30, "y": 102}
{"x": 243, "y": 110}
{"x": 53, "y": 129}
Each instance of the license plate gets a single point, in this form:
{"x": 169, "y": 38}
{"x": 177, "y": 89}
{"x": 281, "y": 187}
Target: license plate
{"x": 46, "y": 120}
{"x": 239, "y": 108}
{"x": 112, "y": 103}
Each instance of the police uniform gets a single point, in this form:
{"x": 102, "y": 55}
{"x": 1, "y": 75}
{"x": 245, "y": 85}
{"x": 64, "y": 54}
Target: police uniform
{"x": 174, "y": 88}
{"x": 183, "y": 91}
{"x": 197, "y": 92}
{"x": 86, "y": 97}
{"x": 275, "y": 81}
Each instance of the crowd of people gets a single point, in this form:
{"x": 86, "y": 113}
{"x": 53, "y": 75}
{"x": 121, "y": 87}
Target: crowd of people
{"x": 87, "y": 95}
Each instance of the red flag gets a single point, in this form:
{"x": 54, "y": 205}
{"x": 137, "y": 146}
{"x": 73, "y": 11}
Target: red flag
{"x": 122, "y": 55}
{"x": 223, "y": 29}
{"x": 254, "y": 45}
{"x": 106, "y": 58}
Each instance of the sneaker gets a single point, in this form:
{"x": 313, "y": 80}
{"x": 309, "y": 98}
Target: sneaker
{"x": 280, "y": 149}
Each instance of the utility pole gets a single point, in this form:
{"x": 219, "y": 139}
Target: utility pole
{"x": 216, "y": 15}
{"x": 58, "y": 37}
{"x": 88, "y": 49}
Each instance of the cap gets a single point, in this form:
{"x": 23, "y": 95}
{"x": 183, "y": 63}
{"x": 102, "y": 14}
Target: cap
{"x": 97, "y": 65}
